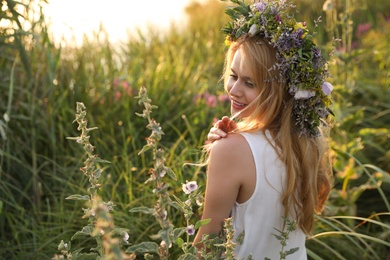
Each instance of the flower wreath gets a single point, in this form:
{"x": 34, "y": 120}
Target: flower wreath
{"x": 300, "y": 63}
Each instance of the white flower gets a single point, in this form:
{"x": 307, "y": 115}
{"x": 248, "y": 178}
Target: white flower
{"x": 253, "y": 30}
{"x": 163, "y": 244}
{"x": 190, "y": 230}
{"x": 304, "y": 94}
{"x": 162, "y": 173}
{"x": 189, "y": 187}
{"x": 126, "y": 237}
{"x": 6, "y": 117}
{"x": 327, "y": 88}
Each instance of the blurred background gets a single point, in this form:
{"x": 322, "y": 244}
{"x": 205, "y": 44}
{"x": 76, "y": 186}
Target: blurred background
{"x": 56, "y": 53}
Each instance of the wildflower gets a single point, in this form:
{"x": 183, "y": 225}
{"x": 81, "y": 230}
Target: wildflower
{"x": 162, "y": 173}
{"x": 278, "y": 19}
{"x": 211, "y": 100}
{"x": 362, "y": 28}
{"x": 304, "y": 94}
{"x": 253, "y": 30}
{"x": 126, "y": 237}
{"x": 199, "y": 201}
{"x": 189, "y": 187}
{"x": 327, "y": 88}
{"x": 6, "y": 117}
{"x": 227, "y": 41}
{"x": 301, "y": 27}
{"x": 190, "y": 230}
{"x": 224, "y": 98}
{"x": 163, "y": 244}
{"x": 260, "y": 6}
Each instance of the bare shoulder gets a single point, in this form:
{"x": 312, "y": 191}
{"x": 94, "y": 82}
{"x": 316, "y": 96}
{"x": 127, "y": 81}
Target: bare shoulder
{"x": 233, "y": 147}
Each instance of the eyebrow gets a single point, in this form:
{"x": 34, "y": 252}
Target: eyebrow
{"x": 246, "y": 78}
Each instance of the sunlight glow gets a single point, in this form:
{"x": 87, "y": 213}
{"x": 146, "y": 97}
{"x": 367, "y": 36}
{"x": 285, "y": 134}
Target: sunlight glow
{"x": 73, "y": 18}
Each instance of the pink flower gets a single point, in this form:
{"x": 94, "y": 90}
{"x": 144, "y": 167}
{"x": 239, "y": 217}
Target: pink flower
{"x": 362, "y": 28}
{"x": 224, "y": 98}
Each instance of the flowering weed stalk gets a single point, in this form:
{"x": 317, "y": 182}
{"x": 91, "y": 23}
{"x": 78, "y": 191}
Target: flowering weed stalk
{"x": 100, "y": 223}
{"x": 283, "y": 236}
{"x": 168, "y": 234}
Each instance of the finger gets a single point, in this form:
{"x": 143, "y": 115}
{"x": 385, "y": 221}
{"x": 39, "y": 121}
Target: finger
{"x": 213, "y": 137}
{"x": 216, "y": 125}
{"x": 220, "y": 132}
{"x": 232, "y": 125}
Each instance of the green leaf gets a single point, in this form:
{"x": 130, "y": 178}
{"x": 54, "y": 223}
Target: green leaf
{"x": 177, "y": 232}
{"x": 99, "y": 160}
{"x": 179, "y": 242}
{"x": 86, "y": 256}
{"x": 145, "y": 148}
{"x": 171, "y": 174}
{"x": 188, "y": 257}
{"x": 202, "y": 223}
{"x": 143, "y": 210}
{"x": 78, "y": 197}
{"x": 292, "y": 251}
{"x": 144, "y": 247}
{"x": 86, "y": 231}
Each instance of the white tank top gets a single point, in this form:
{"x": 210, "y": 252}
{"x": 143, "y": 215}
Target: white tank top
{"x": 263, "y": 211}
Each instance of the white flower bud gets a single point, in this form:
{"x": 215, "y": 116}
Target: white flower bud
{"x": 253, "y": 30}
{"x": 304, "y": 94}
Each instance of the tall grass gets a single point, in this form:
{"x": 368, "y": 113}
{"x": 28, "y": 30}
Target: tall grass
{"x": 181, "y": 70}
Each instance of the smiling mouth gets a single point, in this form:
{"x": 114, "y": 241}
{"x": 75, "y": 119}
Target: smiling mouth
{"x": 238, "y": 105}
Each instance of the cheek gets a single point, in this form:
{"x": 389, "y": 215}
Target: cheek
{"x": 252, "y": 95}
{"x": 229, "y": 85}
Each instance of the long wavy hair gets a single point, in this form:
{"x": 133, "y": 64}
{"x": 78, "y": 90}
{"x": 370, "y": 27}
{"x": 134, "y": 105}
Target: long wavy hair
{"x": 309, "y": 173}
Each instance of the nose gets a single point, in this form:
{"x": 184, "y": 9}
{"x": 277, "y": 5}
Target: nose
{"x": 235, "y": 88}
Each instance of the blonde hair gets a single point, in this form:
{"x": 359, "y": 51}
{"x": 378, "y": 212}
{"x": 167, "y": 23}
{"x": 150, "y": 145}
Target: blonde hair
{"x": 306, "y": 158}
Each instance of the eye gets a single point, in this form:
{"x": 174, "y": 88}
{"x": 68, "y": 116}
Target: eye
{"x": 233, "y": 76}
{"x": 249, "y": 84}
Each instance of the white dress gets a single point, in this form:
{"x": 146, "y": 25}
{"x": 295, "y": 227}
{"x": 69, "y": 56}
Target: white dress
{"x": 263, "y": 211}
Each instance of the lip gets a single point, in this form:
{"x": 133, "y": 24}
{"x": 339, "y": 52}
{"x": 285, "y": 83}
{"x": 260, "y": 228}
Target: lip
{"x": 237, "y": 105}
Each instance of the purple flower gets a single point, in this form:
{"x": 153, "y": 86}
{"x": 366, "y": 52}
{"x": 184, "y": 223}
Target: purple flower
{"x": 327, "y": 88}
{"x": 189, "y": 187}
{"x": 260, "y": 6}
{"x": 190, "y": 230}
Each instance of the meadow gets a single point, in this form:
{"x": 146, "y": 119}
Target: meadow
{"x": 42, "y": 81}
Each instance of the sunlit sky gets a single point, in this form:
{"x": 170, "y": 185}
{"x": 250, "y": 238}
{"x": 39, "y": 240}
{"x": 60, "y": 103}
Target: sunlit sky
{"x": 78, "y": 17}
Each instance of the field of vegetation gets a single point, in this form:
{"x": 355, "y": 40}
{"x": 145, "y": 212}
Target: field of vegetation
{"x": 41, "y": 82}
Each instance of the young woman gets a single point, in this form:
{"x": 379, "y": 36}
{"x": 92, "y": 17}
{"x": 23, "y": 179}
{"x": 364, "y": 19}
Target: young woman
{"x": 272, "y": 165}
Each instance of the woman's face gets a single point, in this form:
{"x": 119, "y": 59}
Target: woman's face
{"x": 240, "y": 86}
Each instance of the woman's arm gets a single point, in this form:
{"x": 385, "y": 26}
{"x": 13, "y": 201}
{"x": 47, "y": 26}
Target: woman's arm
{"x": 227, "y": 163}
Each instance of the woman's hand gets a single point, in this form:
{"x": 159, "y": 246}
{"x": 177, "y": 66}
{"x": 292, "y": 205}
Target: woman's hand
{"x": 221, "y": 128}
